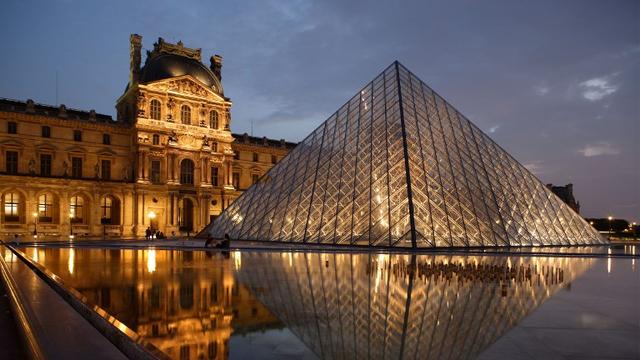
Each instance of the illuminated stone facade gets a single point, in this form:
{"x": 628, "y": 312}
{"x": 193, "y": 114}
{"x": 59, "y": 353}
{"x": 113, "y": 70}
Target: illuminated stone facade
{"x": 168, "y": 161}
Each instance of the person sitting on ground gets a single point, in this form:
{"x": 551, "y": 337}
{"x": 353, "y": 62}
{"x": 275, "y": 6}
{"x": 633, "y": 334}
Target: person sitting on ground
{"x": 208, "y": 241}
{"x": 224, "y": 244}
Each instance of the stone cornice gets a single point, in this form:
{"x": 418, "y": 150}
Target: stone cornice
{"x": 62, "y": 122}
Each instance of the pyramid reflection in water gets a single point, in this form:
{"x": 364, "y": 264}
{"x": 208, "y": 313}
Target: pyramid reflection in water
{"x": 399, "y": 166}
{"x": 349, "y": 306}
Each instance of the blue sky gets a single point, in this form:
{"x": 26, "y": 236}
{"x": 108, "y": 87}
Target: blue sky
{"x": 556, "y": 83}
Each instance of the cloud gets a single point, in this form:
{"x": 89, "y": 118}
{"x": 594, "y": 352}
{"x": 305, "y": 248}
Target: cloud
{"x": 541, "y": 89}
{"x": 535, "y": 167}
{"x": 597, "y": 88}
{"x": 598, "y": 149}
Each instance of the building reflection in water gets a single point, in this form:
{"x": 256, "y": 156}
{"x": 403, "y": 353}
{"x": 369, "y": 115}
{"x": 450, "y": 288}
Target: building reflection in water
{"x": 185, "y": 303}
{"x": 342, "y": 306}
{"x": 346, "y": 306}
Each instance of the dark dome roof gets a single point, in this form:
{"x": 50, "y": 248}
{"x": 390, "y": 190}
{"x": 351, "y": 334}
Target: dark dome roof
{"x": 165, "y": 66}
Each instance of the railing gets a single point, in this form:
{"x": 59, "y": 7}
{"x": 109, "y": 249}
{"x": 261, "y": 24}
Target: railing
{"x": 22, "y": 315}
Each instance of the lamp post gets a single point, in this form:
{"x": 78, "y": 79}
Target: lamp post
{"x": 103, "y": 220}
{"x": 35, "y": 225}
{"x": 70, "y": 226}
{"x": 610, "y": 218}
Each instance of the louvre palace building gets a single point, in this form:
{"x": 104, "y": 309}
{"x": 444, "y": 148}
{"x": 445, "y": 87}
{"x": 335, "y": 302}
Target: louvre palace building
{"x": 169, "y": 160}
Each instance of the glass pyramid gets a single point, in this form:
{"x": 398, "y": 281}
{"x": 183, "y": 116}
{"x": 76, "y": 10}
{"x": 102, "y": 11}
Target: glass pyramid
{"x": 398, "y": 166}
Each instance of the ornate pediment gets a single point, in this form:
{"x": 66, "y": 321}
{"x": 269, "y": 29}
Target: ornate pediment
{"x": 186, "y": 85}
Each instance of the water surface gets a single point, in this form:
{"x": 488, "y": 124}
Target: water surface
{"x": 200, "y": 305}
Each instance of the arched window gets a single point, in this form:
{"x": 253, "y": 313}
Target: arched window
{"x": 110, "y": 210}
{"x": 185, "y": 114}
{"x": 11, "y": 207}
{"x": 76, "y": 206}
{"x": 107, "y": 208}
{"x": 213, "y": 119}
{"x": 45, "y": 208}
{"x": 186, "y": 172}
{"x": 154, "y": 109}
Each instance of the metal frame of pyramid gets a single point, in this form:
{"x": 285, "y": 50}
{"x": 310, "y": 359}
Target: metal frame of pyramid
{"x": 398, "y": 166}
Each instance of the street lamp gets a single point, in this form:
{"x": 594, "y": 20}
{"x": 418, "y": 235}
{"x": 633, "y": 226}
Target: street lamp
{"x": 35, "y": 225}
{"x": 610, "y": 218}
{"x": 70, "y": 226}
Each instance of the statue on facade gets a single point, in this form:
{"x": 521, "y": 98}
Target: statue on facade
{"x": 96, "y": 170}
{"x": 65, "y": 168}
{"x": 125, "y": 173}
{"x": 142, "y": 101}
{"x": 32, "y": 166}
{"x": 173, "y": 138}
{"x": 170, "y": 105}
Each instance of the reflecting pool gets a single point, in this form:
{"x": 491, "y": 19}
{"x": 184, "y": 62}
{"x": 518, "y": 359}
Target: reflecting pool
{"x": 209, "y": 305}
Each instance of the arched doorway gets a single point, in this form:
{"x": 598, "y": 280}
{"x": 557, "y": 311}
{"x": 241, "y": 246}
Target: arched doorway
{"x": 186, "y": 215}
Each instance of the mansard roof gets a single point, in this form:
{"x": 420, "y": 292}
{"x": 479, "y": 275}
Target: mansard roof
{"x": 62, "y": 112}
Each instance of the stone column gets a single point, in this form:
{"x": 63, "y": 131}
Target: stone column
{"x": 140, "y": 166}
{"x": 229, "y": 175}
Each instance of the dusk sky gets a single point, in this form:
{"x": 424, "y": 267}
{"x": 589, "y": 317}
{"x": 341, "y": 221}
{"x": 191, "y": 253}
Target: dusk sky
{"x": 555, "y": 83}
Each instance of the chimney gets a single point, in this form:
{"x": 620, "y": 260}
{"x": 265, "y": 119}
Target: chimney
{"x": 134, "y": 56}
{"x": 216, "y": 66}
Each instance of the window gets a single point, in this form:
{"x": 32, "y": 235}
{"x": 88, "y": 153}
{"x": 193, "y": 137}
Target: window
{"x": 156, "y": 139}
{"x": 274, "y": 159}
{"x": 154, "y": 109}
{"x": 11, "y": 158}
{"x": 255, "y": 157}
{"x": 45, "y": 208}
{"x": 184, "y": 352}
{"x": 214, "y": 146}
{"x": 46, "y": 132}
{"x": 11, "y": 207}
{"x": 185, "y": 114}
{"x": 77, "y": 135}
{"x": 186, "y": 296}
{"x": 212, "y": 349}
{"x": 45, "y": 164}
{"x": 75, "y": 209}
{"x": 106, "y": 169}
{"x": 214, "y": 176}
{"x": 107, "y": 209}
{"x": 12, "y": 127}
{"x": 106, "y": 139}
{"x": 255, "y": 178}
{"x": 213, "y": 119}
{"x": 76, "y": 167}
{"x": 186, "y": 172}
{"x": 155, "y": 171}
{"x": 236, "y": 180}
